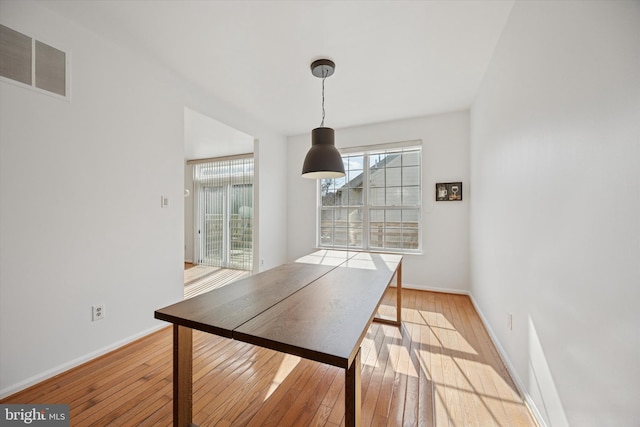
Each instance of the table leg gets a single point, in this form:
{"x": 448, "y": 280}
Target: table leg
{"x": 182, "y": 376}
{"x": 353, "y": 394}
{"x": 398, "y": 321}
{"x": 399, "y": 294}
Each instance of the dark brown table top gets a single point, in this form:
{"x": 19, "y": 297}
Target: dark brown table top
{"x": 318, "y": 307}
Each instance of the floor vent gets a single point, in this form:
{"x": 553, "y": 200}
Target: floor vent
{"x": 30, "y": 62}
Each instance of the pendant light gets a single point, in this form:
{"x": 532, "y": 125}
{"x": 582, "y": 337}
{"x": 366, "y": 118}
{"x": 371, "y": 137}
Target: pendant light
{"x": 323, "y": 159}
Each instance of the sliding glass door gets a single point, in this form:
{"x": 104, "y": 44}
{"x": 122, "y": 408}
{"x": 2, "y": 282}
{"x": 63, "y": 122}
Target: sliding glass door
{"x": 224, "y": 213}
{"x": 240, "y": 226}
{"x": 211, "y": 227}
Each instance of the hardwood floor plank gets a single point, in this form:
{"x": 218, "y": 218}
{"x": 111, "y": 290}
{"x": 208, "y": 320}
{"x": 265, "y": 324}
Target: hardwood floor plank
{"x": 420, "y": 395}
{"x": 314, "y": 404}
{"x": 462, "y": 355}
{"x": 238, "y": 379}
{"x": 440, "y": 370}
{"x": 246, "y": 389}
{"x": 383, "y": 401}
{"x": 102, "y": 366}
{"x": 370, "y": 397}
{"x": 305, "y": 381}
{"x": 321, "y": 417}
{"x": 404, "y": 398}
{"x": 281, "y": 393}
{"x": 307, "y": 399}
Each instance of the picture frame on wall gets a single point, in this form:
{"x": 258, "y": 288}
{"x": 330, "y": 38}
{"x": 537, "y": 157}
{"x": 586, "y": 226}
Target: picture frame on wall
{"x": 448, "y": 191}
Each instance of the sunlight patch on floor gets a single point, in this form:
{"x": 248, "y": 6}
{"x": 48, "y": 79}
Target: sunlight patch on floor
{"x": 397, "y": 363}
{"x": 287, "y": 365}
{"x": 372, "y": 358}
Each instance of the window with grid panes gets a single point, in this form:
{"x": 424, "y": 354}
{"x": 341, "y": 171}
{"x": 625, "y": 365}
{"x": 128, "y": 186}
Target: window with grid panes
{"x": 376, "y": 205}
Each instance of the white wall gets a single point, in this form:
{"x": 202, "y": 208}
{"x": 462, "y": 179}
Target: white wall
{"x": 80, "y": 187}
{"x": 555, "y": 208}
{"x": 444, "y": 263}
{"x": 188, "y": 214}
{"x": 271, "y": 170}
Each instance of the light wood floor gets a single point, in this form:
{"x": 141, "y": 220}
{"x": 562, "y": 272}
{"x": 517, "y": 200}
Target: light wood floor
{"x": 442, "y": 370}
{"x": 199, "y": 279}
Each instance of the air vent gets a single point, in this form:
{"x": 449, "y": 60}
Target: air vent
{"x": 31, "y": 62}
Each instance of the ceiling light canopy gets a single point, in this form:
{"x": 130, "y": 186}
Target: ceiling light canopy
{"x": 323, "y": 159}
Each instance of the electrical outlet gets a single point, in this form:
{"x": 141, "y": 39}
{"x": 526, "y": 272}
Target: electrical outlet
{"x": 261, "y": 262}
{"x": 510, "y": 321}
{"x": 98, "y": 312}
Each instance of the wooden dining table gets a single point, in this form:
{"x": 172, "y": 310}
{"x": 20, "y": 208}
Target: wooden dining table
{"x": 318, "y": 307}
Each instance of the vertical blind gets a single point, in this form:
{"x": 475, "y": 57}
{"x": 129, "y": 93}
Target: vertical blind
{"x": 224, "y": 212}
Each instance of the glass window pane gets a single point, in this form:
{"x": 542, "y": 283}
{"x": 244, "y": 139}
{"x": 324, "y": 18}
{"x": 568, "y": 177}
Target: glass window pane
{"x": 377, "y": 160}
{"x": 326, "y": 218}
{"x": 376, "y": 237}
{"x": 410, "y": 238}
{"x": 342, "y": 197}
{"x": 355, "y": 217}
{"x": 326, "y": 236}
{"x": 393, "y": 238}
{"x": 410, "y": 217}
{"x": 376, "y": 197}
{"x": 354, "y": 228}
{"x": 340, "y": 217}
{"x": 394, "y": 160}
{"x": 355, "y": 237}
{"x": 328, "y": 192}
{"x": 376, "y": 215}
{"x": 393, "y": 216}
{"x": 353, "y": 162}
{"x": 340, "y": 236}
{"x": 353, "y": 167}
{"x": 411, "y": 158}
{"x": 377, "y": 178}
{"x": 394, "y": 177}
{"x": 355, "y": 196}
{"x": 394, "y": 196}
{"x": 354, "y": 178}
{"x": 329, "y": 199}
{"x": 411, "y": 196}
{"x": 411, "y": 175}
{"x": 340, "y": 182}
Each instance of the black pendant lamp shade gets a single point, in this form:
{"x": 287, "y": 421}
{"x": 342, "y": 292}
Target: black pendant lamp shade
{"x": 323, "y": 160}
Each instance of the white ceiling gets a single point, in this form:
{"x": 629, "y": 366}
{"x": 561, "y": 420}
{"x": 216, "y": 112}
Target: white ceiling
{"x": 394, "y": 59}
{"x": 205, "y": 138}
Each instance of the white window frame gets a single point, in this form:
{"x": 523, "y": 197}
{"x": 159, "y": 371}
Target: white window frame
{"x": 366, "y": 152}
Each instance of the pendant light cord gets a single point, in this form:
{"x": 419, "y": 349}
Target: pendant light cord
{"x": 324, "y": 76}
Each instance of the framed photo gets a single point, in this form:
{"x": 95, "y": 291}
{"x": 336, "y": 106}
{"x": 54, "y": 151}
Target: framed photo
{"x": 448, "y": 191}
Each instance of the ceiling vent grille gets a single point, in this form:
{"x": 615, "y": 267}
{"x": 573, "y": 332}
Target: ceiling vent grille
{"x": 30, "y": 62}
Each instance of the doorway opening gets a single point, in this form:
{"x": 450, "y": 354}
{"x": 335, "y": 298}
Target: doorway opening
{"x": 219, "y": 204}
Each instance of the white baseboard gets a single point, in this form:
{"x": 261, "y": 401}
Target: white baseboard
{"x": 8, "y": 391}
{"x": 432, "y": 289}
{"x": 533, "y": 409}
